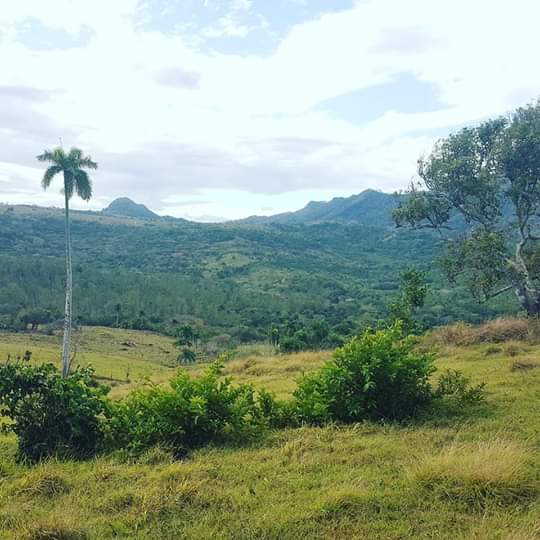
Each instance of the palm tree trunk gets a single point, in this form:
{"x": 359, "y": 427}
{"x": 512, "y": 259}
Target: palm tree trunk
{"x": 69, "y": 292}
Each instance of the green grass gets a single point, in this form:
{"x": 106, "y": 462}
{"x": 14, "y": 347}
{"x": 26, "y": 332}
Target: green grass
{"x": 470, "y": 476}
{"x": 123, "y": 358}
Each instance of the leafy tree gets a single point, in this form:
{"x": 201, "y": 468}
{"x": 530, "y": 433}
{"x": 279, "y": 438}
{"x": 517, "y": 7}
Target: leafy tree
{"x": 412, "y": 296}
{"x": 186, "y": 340}
{"x": 76, "y": 180}
{"x": 187, "y": 356}
{"x": 274, "y": 335}
{"x": 35, "y": 317}
{"x": 485, "y": 182}
{"x": 186, "y": 336}
{"x": 118, "y": 312}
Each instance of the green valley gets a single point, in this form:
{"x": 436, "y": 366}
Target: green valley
{"x": 228, "y": 279}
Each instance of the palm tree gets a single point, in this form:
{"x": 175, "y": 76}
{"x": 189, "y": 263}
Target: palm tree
{"x": 76, "y": 180}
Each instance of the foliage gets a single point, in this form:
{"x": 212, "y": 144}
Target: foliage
{"x": 186, "y": 342}
{"x": 188, "y": 414}
{"x": 72, "y": 166}
{"x": 295, "y": 335}
{"x": 376, "y": 376}
{"x": 474, "y": 478}
{"x": 484, "y": 181}
{"x": 221, "y": 279}
{"x": 412, "y": 297}
{"x": 50, "y": 414}
{"x": 455, "y": 386}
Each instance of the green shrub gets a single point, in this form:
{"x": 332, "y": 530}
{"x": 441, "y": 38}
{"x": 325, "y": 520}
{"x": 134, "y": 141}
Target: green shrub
{"x": 376, "y": 376}
{"x": 49, "y": 414}
{"x": 188, "y": 414}
{"x": 454, "y": 385}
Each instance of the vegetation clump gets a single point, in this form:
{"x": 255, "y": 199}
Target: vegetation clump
{"x": 380, "y": 375}
{"x": 376, "y": 376}
{"x": 188, "y": 414}
{"x": 51, "y": 414}
{"x": 483, "y": 182}
{"x": 492, "y": 472}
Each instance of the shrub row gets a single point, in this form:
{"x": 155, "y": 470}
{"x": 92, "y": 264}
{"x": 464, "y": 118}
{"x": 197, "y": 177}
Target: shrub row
{"x": 379, "y": 375}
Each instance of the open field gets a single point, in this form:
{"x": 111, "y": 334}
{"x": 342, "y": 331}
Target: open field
{"x": 469, "y": 476}
{"x": 122, "y": 358}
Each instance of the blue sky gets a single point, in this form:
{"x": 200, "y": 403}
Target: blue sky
{"x": 212, "y": 109}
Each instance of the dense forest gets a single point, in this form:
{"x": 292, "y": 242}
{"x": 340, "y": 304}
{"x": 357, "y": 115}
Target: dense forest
{"x": 231, "y": 280}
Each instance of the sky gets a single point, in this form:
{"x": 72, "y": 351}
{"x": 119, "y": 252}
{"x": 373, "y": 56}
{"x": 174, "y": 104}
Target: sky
{"x": 221, "y": 109}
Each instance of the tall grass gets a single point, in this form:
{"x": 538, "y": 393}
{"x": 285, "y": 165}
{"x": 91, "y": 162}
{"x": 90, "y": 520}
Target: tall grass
{"x": 494, "y": 471}
{"x": 494, "y": 331}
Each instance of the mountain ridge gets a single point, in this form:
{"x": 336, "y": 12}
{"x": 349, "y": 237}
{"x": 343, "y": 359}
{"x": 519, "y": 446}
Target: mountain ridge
{"x": 369, "y": 207}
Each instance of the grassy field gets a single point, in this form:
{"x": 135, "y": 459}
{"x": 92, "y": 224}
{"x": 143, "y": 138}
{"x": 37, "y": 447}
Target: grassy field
{"x": 122, "y": 358}
{"x": 474, "y": 475}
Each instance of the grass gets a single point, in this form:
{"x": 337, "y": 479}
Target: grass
{"x": 122, "y": 358}
{"x": 495, "y": 331}
{"x": 475, "y": 475}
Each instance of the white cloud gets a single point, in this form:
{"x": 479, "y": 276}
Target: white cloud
{"x": 250, "y": 123}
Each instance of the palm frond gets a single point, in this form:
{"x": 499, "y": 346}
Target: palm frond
{"x": 50, "y": 173}
{"x": 56, "y": 155}
{"x": 87, "y": 163}
{"x": 71, "y": 164}
{"x": 79, "y": 160}
{"x": 46, "y": 156}
{"x": 83, "y": 185}
{"x": 75, "y": 154}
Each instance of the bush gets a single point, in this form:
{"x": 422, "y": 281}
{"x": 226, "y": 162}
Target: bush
{"x": 49, "y": 414}
{"x": 189, "y": 414}
{"x": 454, "y": 385}
{"x": 376, "y": 376}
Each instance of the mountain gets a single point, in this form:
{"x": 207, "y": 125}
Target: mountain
{"x": 127, "y": 208}
{"x": 367, "y": 208}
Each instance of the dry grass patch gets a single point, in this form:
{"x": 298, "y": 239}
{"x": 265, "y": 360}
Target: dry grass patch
{"x": 54, "y": 531}
{"x": 44, "y": 481}
{"x": 495, "y": 331}
{"x": 524, "y": 366}
{"x": 477, "y": 474}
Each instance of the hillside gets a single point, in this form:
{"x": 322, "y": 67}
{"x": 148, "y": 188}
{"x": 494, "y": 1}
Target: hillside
{"x": 467, "y": 474}
{"x": 121, "y": 358}
{"x": 231, "y": 279}
{"x": 367, "y": 208}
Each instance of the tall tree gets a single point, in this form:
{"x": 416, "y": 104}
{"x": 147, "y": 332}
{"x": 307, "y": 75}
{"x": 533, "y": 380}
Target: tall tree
{"x": 485, "y": 182}
{"x": 72, "y": 165}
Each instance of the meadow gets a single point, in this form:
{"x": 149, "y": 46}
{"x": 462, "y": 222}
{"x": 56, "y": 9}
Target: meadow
{"x": 458, "y": 474}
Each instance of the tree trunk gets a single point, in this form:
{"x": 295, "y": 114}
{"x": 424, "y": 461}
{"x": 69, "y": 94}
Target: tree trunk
{"x": 69, "y": 291}
{"x": 529, "y": 300}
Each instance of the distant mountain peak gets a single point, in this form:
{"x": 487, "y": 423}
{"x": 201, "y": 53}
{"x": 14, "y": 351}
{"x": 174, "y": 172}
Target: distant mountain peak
{"x": 124, "y": 206}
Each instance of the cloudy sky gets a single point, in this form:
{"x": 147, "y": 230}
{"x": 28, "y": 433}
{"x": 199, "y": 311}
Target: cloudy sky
{"x": 227, "y": 108}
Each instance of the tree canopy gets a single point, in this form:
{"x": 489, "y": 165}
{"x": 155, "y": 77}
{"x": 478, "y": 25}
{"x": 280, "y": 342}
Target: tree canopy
{"x": 72, "y": 165}
{"x": 484, "y": 183}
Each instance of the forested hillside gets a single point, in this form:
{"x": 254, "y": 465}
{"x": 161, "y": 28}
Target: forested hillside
{"x": 367, "y": 208}
{"x": 228, "y": 279}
